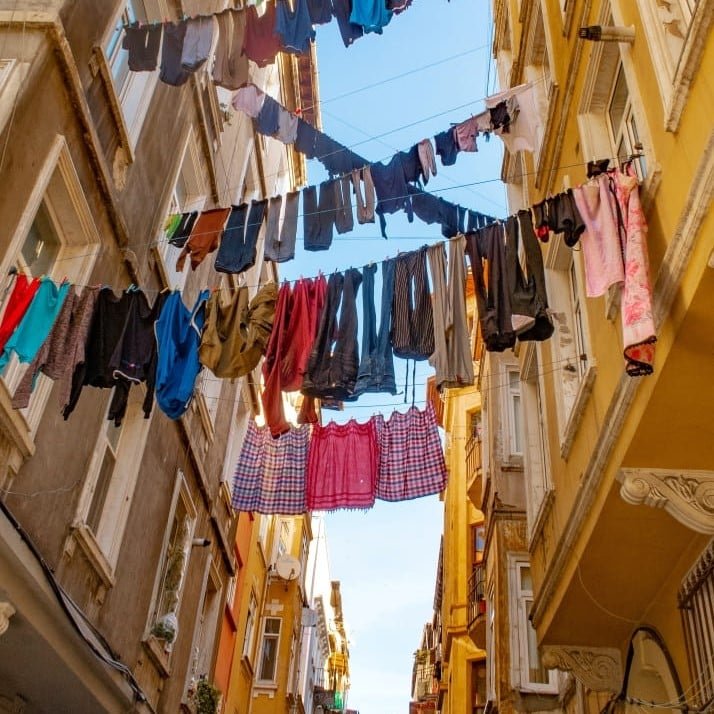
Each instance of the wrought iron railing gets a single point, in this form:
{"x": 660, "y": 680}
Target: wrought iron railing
{"x": 477, "y": 594}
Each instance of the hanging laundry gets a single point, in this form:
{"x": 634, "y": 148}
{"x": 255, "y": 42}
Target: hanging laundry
{"x": 281, "y": 249}
{"x": 499, "y": 117}
{"x": 529, "y": 301}
{"x": 271, "y": 395}
{"x": 342, "y": 10}
{"x": 372, "y": 15}
{"x": 425, "y": 205}
{"x": 172, "y": 71}
{"x": 398, "y": 6}
{"x": 197, "y": 42}
{"x": 181, "y": 232}
{"x": 411, "y": 164}
{"x": 446, "y": 147}
{"x": 524, "y": 127}
{"x": 171, "y": 224}
{"x": 63, "y": 349}
{"x": 249, "y": 99}
{"x": 262, "y": 43}
{"x": 425, "y": 150}
{"x": 238, "y": 249}
{"x": 294, "y": 26}
{"x": 22, "y": 294}
{"x": 134, "y": 358}
{"x": 287, "y": 126}
{"x": 306, "y": 139}
{"x": 451, "y": 359}
{"x": 344, "y": 220}
{"x": 366, "y": 199}
{"x": 476, "y": 220}
{"x": 334, "y": 359}
{"x": 411, "y": 463}
{"x": 392, "y": 191}
{"x": 105, "y": 333}
{"x": 376, "y": 368}
{"x": 178, "y": 336}
{"x": 493, "y": 300}
{"x": 466, "y": 132}
{"x": 230, "y": 67}
{"x": 270, "y": 476}
{"x": 142, "y": 42}
{"x": 268, "y": 120}
{"x": 319, "y": 217}
{"x": 615, "y": 251}
{"x": 412, "y": 313}
{"x": 272, "y": 227}
{"x": 452, "y": 218}
{"x": 337, "y": 159}
{"x": 342, "y": 465}
{"x": 36, "y": 322}
{"x": 320, "y": 11}
{"x": 563, "y": 217}
{"x": 204, "y": 237}
{"x": 236, "y": 332}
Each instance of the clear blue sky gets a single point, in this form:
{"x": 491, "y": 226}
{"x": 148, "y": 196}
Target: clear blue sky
{"x": 386, "y": 559}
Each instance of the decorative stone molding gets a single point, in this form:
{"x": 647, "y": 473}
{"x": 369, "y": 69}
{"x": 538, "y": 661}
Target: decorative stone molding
{"x": 598, "y": 668}
{"x": 686, "y": 495}
{"x": 6, "y": 612}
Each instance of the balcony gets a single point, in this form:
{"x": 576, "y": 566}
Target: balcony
{"x": 473, "y": 469}
{"x": 477, "y": 606}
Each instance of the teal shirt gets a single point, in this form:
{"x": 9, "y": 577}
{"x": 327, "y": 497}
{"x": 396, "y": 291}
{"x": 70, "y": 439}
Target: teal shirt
{"x": 37, "y": 322}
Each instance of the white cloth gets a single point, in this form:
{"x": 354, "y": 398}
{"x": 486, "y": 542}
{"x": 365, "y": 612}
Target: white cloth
{"x": 249, "y": 99}
{"x": 524, "y": 131}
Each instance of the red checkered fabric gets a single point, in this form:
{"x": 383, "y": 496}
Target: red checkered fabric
{"x": 270, "y": 475}
{"x": 342, "y": 465}
{"x": 412, "y": 459}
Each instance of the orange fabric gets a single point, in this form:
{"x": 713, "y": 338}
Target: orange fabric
{"x": 204, "y": 237}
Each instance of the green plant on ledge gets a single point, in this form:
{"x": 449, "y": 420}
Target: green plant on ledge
{"x": 207, "y": 697}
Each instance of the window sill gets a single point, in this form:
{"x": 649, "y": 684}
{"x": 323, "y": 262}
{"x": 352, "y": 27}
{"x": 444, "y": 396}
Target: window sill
{"x": 158, "y": 655}
{"x": 577, "y": 410}
{"x": 245, "y": 663}
{"x": 83, "y": 535}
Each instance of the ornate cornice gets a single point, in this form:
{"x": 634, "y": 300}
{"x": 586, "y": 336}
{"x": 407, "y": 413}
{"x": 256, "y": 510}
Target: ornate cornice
{"x": 6, "y": 612}
{"x": 598, "y": 668}
{"x": 686, "y": 495}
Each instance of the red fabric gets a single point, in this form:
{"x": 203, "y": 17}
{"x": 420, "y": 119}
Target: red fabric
{"x": 272, "y": 372}
{"x": 261, "y": 43}
{"x": 307, "y": 413}
{"x": 308, "y": 302}
{"x": 342, "y": 465}
{"x": 17, "y": 305}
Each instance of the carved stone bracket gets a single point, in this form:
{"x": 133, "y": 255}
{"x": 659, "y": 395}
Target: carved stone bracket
{"x": 688, "y": 496}
{"x": 598, "y": 668}
{"x": 6, "y": 612}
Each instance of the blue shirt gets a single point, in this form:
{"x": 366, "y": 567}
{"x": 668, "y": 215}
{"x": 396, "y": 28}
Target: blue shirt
{"x": 372, "y": 15}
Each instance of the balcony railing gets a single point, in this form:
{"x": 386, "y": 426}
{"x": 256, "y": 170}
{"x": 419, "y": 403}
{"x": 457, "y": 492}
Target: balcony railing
{"x": 477, "y": 594}
{"x": 473, "y": 456}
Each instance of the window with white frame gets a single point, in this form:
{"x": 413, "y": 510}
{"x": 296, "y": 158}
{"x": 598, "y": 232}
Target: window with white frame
{"x": 528, "y": 674}
{"x": 189, "y": 194}
{"x": 236, "y": 436}
{"x": 57, "y": 237}
{"x": 108, "y": 490}
{"x": 263, "y": 532}
{"x": 293, "y": 671}
{"x": 284, "y": 536}
{"x": 573, "y": 365}
{"x": 250, "y": 621}
{"x": 177, "y": 553}
{"x": 536, "y": 451}
{"x": 610, "y": 121}
{"x": 133, "y": 89}
{"x": 304, "y": 550}
{"x": 205, "y": 631}
{"x": 270, "y": 644}
{"x": 491, "y": 644}
{"x": 514, "y": 412}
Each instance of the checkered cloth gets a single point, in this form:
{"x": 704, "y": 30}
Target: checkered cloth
{"x": 270, "y": 475}
{"x": 342, "y": 465}
{"x": 412, "y": 460}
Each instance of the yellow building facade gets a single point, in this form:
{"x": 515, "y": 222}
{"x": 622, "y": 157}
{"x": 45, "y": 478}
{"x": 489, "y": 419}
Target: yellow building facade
{"x": 606, "y": 567}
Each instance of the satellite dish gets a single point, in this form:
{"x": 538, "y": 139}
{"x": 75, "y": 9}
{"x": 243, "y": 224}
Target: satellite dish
{"x": 288, "y": 567}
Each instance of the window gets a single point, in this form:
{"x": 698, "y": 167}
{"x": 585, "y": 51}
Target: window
{"x": 177, "y": 553}
{"x": 528, "y": 674}
{"x": 250, "y": 627}
{"x": 478, "y": 543}
{"x": 515, "y": 425}
{"x": 491, "y": 644}
{"x": 293, "y": 672}
{"x": 609, "y": 121}
{"x": 536, "y": 452}
{"x": 108, "y": 491}
{"x": 55, "y": 236}
{"x": 236, "y": 436}
{"x": 696, "y": 603}
{"x": 304, "y": 550}
{"x": 189, "y": 194}
{"x": 573, "y": 365}
{"x": 133, "y": 89}
{"x": 205, "y": 630}
{"x": 284, "y": 537}
{"x": 267, "y": 665}
{"x": 263, "y": 532}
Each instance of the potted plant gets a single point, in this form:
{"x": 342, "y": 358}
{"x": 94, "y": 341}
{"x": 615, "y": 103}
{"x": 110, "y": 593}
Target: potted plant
{"x": 208, "y": 697}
